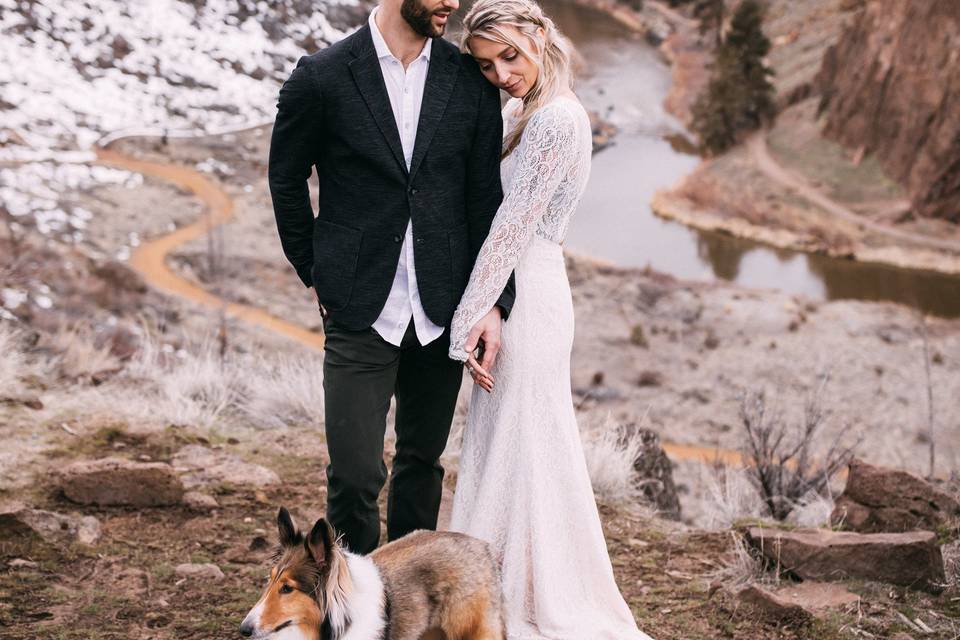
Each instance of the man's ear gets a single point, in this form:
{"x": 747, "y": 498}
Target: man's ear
{"x": 287, "y": 530}
{"x": 321, "y": 542}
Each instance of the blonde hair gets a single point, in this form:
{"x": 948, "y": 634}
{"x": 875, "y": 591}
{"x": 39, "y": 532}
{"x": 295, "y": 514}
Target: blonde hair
{"x": 552, "y": 56}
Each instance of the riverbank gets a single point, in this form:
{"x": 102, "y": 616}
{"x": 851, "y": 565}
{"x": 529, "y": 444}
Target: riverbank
{"x": 806, "y": 193}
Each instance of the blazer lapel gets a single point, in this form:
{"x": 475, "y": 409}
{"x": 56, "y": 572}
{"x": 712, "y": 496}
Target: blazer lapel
{"x": 369, "y": 78}
{"x": 441, "y": 77}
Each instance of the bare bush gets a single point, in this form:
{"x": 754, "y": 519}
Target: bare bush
{"x": 783, "y": 458}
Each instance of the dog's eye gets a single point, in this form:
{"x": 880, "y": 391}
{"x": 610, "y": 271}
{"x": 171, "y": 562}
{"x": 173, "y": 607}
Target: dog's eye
{"x": 285, "y": 588}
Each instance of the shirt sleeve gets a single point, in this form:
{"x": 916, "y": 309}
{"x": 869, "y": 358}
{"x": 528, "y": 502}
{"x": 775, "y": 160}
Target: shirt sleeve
{"x": 545, "y": 154}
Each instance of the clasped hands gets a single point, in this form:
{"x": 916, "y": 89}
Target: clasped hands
{"x": 485, "y": 336}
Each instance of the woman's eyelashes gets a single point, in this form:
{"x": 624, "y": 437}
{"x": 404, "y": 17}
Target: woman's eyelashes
{"x": 509, "y": 56}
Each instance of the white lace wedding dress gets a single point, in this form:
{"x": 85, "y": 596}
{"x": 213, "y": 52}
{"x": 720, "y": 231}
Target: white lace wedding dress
{"x": 523, "y": 484}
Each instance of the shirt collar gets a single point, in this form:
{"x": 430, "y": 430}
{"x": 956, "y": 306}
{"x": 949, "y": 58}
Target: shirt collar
{"x": 383, "y": 51}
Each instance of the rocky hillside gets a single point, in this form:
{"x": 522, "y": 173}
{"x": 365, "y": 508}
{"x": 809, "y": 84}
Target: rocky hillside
{"x": 891, "y": 87}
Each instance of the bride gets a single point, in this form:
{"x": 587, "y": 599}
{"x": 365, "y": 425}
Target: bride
{"x": 523, "y": 484}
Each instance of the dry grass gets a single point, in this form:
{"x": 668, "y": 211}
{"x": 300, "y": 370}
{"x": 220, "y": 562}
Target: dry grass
{"x": 709, "y": 193}
{"x": 13, "y": 362}
{"x": 731, "y": 496}
{"x": 283, "y": 392}
{"x": 610, "y": 459}
{"x": 77, "y": 356}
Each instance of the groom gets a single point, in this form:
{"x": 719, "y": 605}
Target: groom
{"x": 405, "y": 135}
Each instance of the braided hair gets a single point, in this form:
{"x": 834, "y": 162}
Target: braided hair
{"x": 545, "y": 46}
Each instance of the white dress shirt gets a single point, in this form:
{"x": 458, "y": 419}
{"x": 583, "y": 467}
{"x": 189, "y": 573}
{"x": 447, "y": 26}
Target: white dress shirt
{"x": 405, "y": 88}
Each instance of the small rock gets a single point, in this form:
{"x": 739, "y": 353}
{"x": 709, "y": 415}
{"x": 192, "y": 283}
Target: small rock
{"x": 878, "y": 500}
{"x": 201, "y": 466}
{"x": 20, "y": 563}
{"x": 205, "y": 571}
{"x": 115, "y": 481}
{"x": 907, "y": 559}
{"x": 199, "y": 501}
{"x": 772, "y": 606}
{"x": 17, "y": 521}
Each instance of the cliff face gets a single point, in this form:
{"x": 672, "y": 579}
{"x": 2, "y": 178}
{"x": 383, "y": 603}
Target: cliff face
{"x": 891, "y": 87}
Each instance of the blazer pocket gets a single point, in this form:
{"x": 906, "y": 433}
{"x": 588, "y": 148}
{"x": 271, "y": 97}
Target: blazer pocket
{"x": 335, "y": 252}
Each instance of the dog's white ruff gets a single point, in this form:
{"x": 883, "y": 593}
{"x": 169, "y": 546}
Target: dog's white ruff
{"x": 366, "y": 601}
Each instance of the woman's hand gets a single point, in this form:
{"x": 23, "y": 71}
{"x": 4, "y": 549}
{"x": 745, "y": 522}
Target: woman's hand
{"x": 479, "y": 374}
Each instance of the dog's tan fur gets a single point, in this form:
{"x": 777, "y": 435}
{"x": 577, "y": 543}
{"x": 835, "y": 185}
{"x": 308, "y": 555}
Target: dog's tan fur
{"x": 441, "y": 580}
{"x": 435, "y": 585}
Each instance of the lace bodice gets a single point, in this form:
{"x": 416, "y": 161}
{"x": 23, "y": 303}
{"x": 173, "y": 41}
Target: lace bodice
{"x": 543, "y": 181}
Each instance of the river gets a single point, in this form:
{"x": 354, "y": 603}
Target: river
{"x": 626, "y": 80}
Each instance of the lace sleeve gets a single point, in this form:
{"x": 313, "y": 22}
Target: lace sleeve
{"x": 544, "y": 155}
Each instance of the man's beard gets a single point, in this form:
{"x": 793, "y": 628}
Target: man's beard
{"x": 419, "y": 19}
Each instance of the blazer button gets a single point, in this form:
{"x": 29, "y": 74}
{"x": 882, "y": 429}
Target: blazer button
{"x": 419, "y": 240}
{"x": 413, "y": 191}
{"x": 396, "y": 238}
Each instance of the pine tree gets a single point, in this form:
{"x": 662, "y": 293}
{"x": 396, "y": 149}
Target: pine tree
{"x": 740, "y": 94}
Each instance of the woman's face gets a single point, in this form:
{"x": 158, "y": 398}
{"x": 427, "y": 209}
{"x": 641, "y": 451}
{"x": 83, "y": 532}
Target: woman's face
{"x": 504, "y": 66}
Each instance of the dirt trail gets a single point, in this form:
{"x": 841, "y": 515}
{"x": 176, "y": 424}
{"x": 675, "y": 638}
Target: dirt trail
{"x": 149, "y": 259}
{"x": 757, "y": 145}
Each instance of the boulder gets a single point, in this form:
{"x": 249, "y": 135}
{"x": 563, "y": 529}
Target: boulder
{"x": 120, "y": 482}
{"x": 201, "y": 467}
{"x": 878, "y": 500}
{"x": 17, "y": 521}
{"x": 654, "y": 472}
{"x": 907, "y": 559}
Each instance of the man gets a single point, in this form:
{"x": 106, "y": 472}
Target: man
{"x": 405, "y": 136}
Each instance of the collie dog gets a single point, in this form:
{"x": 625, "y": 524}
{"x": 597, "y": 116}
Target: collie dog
{"x": 427, "y": 581}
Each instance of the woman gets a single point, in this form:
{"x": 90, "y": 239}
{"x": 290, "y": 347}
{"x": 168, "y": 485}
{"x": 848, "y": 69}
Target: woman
{"x": 523, "y": 484}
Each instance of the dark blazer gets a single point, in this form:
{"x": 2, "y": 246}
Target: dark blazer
{"x": 334, "y": 114}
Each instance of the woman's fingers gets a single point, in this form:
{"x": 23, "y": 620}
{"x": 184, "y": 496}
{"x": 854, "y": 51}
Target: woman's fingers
{"x": 479, "y": 374}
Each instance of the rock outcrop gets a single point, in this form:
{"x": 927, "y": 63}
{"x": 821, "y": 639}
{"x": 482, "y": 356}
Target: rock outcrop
{"x": 115, "y": 481}
{"x": 878, "y": 500}
{"x": 907, "y": 559}
{"x": 18, "y": 521}
{"x": 654, "y": 472}
{"x": 891, "y": 87}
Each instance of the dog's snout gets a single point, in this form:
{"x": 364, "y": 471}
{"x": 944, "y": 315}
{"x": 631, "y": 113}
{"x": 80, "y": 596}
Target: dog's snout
{"x": 246, "y": 629}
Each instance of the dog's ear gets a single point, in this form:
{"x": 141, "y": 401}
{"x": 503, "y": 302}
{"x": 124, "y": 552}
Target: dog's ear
{"x": 321, "y": 542}
{"x": 288, "y": 532}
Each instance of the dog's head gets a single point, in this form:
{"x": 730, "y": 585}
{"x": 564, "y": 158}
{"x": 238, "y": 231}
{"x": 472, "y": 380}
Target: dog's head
{"x": 306, "y": 595}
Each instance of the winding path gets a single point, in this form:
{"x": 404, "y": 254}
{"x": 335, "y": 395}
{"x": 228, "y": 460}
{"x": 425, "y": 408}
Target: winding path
{"x": 149, "y": 260}
{"x": 757, "y": 145}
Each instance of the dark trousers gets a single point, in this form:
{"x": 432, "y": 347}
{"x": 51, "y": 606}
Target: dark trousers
{"x": 361, "y": 371}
